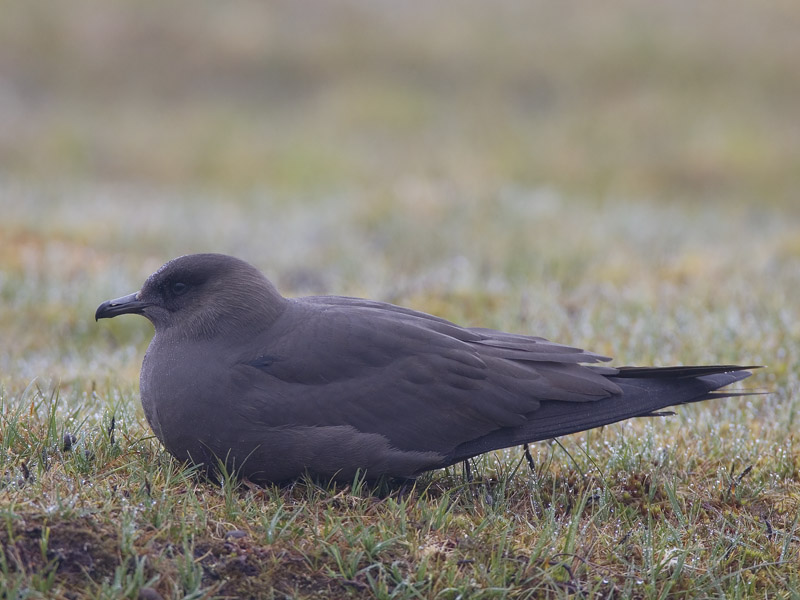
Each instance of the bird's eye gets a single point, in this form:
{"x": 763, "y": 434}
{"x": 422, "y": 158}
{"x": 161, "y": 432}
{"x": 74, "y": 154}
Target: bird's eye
{"x": 179, "y": 288}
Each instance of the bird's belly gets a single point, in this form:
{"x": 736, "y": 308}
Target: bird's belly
{"x": 206, "y": 414}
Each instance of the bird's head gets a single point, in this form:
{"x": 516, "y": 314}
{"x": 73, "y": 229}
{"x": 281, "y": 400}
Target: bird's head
{"x": 201, "y": 295}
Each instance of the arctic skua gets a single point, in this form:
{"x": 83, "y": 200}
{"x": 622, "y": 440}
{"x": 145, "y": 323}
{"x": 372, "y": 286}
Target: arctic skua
{"x": 277, "y": 387}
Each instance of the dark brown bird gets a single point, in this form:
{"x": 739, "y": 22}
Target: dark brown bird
{"x": 329, "y": 385}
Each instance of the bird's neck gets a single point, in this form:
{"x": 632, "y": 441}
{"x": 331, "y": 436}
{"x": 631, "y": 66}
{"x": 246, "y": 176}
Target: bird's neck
{"x": 242, "y": 313}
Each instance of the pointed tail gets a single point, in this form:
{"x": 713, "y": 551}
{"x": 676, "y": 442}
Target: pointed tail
{"x": 645, "y": 390}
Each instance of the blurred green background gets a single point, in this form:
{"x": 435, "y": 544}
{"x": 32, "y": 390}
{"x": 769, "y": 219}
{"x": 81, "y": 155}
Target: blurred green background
{"x": 618, "y": 175}
{"x": 625, "y": 99}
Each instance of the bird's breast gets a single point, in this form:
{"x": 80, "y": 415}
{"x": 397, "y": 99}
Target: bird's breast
{"x": 181, "y": 387}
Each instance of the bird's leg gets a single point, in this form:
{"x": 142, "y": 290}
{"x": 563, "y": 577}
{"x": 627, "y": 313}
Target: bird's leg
{"x": 467, "y": 471}
{"x": 529, "y": 459}
{"x": 401, "y": 487}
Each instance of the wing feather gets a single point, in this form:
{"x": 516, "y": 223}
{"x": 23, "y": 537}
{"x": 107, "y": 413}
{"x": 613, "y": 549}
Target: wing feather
{"x": 422, "y": 382}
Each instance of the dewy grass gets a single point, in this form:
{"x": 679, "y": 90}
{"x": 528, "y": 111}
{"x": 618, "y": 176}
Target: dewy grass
{"x": 612, "y": 513}
{"x": 581, "y": 523}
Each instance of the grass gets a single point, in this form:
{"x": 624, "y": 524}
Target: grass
{"x": 623, "y": 516}
{"x": 622, "y": 178}
{"x": 700, "y": 504}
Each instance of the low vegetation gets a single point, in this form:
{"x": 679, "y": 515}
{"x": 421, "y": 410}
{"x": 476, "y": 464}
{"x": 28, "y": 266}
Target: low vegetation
{"x": 94, "y": 508}
{"x": 703, "y": 503}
